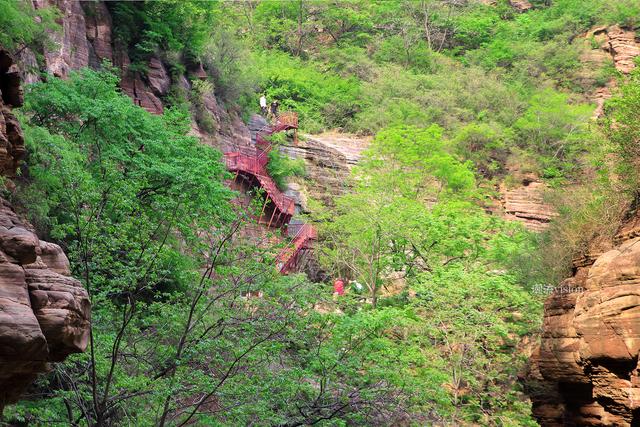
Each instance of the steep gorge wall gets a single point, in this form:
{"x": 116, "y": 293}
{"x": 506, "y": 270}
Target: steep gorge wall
{"x": 586, "y": 371}
{"x": 44, "y": 312}
{"x": 601, "y": 46}
{"x": 86, "y": 39}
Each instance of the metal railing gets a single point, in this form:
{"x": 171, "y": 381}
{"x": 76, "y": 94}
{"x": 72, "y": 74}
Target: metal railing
{"x": 287, "y": 119}
{"x": 304, "y": 233}
{"x": 256, "y": 166}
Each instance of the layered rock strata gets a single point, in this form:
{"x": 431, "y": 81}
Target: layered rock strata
{"x": 327, "y": 166}
{"x": 586, "y": 370}
{"x": 44, "y": 312}
{"x": 604, "y": 45}
{"x": 525, "y": 203}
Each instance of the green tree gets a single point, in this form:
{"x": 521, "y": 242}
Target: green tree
{"x": 379, "y": 229}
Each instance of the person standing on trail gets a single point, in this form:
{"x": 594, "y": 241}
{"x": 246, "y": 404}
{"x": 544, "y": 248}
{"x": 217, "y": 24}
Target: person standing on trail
{"x": 274, "y": 109}
{"x": 338, "y": 287}
{"x": 263, "y": 104}
{"x": 356, "y": 286}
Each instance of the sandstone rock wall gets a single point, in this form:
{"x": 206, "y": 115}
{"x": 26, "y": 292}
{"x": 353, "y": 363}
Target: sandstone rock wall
{"x": 586, "y": 370}
{"x": 86, "y": 41}
{"x": 44, "y": 312}
{"x": 525, "y": 203}
{"x": 602, "y": 45}
{"x": 328, "y": 161}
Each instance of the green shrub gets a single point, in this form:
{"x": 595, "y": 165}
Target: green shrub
{"x": 484, "y": 144}
{"x": 281, "y": 167}
{"x": 555, "y": 129}
{"x": 322, "y": 100}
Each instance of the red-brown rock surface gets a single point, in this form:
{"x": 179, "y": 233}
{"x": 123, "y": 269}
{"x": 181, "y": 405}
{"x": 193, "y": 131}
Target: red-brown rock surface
{"x": 133, "y": 85}
{"x": 44, "y": 313}
{"x": 623, "y": 47}
{"x": 86, "y": 41}
{"x": 11, "y": 139}
{"x": 520, "y": 5}
{"x": 71, "y": 50}
{"x": 586, "y": 369}
{"x": 525, "y": 203}
{"x": 602, "y": 45}
{"x": 98, "y": 30}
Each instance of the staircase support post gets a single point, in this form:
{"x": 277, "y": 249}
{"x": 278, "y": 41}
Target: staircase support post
{"x": 266, "y": 199}
{"x": 274, "y": 212}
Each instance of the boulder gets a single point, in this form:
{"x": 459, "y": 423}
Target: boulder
{"x": 44, "y": 312}
{"x": 520, "y": 5}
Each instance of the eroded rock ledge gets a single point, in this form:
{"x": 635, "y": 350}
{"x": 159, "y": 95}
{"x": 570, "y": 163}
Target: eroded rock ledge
{"x": 586, "y": 370}
{"x": 525, "y": 203}
{"x": 44, "y": 312}
{"x": 602, "y": 45}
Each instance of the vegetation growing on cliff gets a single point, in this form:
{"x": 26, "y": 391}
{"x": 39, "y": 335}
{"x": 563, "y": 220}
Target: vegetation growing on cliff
{"x": 23, "y": 27}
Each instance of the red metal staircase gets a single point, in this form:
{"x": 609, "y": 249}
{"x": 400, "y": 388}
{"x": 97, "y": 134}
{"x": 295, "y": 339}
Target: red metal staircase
{"x": 251, "y": 163}
{"x": 289, "y": 257}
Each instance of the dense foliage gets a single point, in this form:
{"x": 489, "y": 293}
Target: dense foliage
{"x": 411, "y": 234}
{"x": 143, "y": 213}
{"x": 191, "y": 322}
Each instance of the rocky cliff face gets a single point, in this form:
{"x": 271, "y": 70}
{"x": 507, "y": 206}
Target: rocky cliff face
{"x": 86, "y": 41}
{"x": 525, "y": 203}
{"x": 603, "y": 45}
{"x": 586, "y": 370}
{"x": 44, "y": 312}
{"x": 328, "y": 160}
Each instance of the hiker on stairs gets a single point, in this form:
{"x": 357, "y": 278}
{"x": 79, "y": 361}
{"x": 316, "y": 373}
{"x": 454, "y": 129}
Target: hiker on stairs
{"x": 263, "y": 104}
{"x": 274, "y": 109}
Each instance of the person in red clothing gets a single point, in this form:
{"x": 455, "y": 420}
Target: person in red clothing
{"x": 338, "y": 287}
